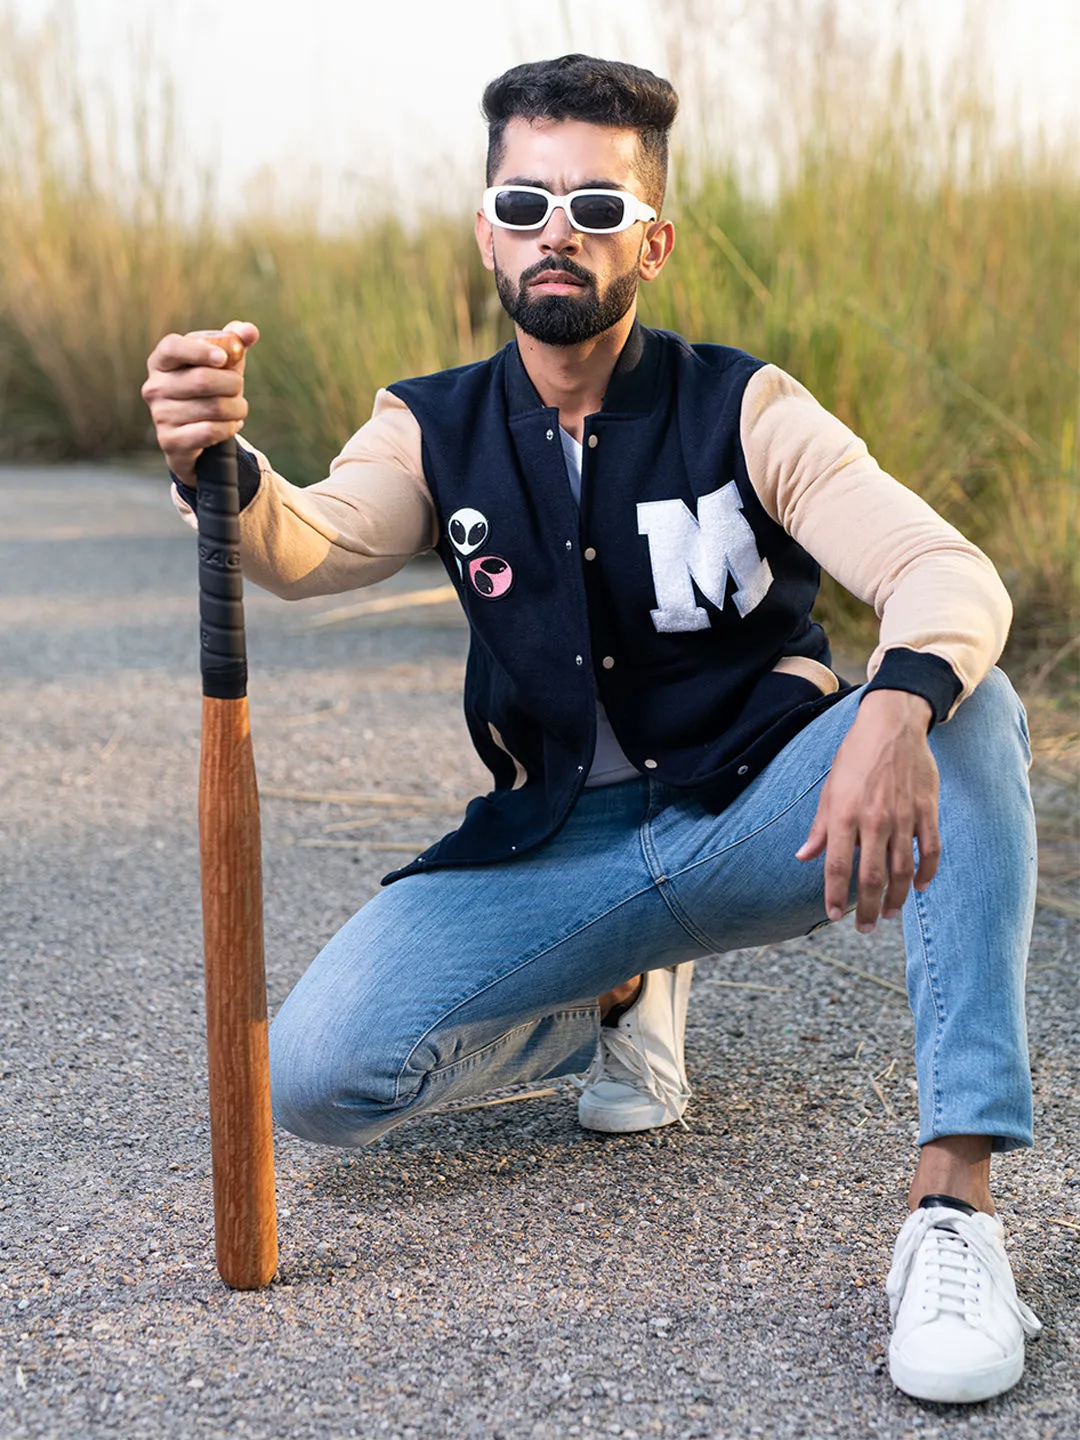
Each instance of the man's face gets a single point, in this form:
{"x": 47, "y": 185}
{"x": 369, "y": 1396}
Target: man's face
{"x": 559, "y": 285}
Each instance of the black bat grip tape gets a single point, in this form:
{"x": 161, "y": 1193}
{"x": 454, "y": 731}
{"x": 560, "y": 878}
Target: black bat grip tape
{"x": 222, "y": 652}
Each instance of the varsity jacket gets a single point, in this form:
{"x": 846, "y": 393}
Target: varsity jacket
{"x": 680, "y": 593}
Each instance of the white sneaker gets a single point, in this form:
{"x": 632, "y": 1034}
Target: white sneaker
{"x": 958, "y": 1325}
{"x": 637, "y": 1080}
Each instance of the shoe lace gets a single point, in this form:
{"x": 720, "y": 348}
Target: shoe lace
{"x": 956, "y": 1260}
{"x": 618, "y": 1058}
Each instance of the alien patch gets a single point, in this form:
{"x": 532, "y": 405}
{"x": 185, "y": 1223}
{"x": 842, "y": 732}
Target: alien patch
{"x": 489, "y": 575}
{"x": 468, "y": 530}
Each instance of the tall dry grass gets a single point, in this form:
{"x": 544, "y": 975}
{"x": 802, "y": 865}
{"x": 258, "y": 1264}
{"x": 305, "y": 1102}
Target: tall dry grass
{"x": 917, "y": 272}
{"x": 93, "y": 264}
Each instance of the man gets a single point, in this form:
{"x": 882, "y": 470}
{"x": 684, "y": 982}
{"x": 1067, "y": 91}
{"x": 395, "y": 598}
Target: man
{"x": 634, "y": 527}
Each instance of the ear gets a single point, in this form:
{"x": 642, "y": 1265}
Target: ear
{"x": 659, "y": 243}
{"x": 485, "y": 240}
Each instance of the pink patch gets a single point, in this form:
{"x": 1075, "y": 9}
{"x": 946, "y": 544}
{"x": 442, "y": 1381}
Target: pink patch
{"x": 490, "y": 576}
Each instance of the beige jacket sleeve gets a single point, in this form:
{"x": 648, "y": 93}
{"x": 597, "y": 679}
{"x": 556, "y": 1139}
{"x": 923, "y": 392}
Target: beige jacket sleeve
{"x": 932, "y": 590}
{"x": 372, "y": 514}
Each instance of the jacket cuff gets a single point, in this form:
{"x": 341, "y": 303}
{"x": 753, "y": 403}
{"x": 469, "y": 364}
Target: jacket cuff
{"x": 920, "y": 674}
{"x": 248, "y": 478}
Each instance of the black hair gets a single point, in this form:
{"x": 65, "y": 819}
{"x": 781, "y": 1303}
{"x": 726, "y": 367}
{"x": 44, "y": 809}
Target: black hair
{"x": 601, "y": 92}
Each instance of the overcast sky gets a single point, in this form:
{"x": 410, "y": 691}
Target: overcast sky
{"x": 383, "y": 97}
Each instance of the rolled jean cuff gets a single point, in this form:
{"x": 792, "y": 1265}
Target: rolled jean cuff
{"x": 999, "y": 1144}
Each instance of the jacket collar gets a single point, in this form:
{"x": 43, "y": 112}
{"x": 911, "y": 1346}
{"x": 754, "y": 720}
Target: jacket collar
{"x": 631, "y": 389}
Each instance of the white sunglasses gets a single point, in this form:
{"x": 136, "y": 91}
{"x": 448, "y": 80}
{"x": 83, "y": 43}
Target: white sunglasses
{"x": 595, "y": 212}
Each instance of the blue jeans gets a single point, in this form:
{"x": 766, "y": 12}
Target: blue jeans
{"x": 450, "y": 984}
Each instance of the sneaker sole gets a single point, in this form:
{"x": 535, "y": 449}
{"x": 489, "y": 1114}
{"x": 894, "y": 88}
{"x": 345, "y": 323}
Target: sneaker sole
{"x": 613, "y": 1120}
{"x": 954, "y": 1389}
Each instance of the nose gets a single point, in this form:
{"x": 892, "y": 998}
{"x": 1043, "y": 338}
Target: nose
{"x": 558, "y": 237}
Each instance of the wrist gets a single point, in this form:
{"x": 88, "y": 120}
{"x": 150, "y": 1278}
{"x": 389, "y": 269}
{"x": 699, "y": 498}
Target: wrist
{"x": 919, "y": 673}
{"x": 899, "y": 708}
{"x": 182, "y": 469}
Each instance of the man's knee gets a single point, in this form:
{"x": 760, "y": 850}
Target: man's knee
{"x": 330, "y": 1092}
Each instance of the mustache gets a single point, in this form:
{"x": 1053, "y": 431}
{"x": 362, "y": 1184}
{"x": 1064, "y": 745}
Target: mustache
{"x": 562, "y": 267}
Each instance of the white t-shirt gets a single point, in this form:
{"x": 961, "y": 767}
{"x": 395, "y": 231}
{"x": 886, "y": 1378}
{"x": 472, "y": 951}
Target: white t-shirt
{"x": 609, "y": 764}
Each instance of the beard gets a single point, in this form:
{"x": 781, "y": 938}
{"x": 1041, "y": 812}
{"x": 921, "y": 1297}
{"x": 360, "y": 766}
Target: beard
{"x": 566, "y": 319}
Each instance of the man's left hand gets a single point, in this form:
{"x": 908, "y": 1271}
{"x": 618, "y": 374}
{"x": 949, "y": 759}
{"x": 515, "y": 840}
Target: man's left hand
{"x": 881, "y": 794}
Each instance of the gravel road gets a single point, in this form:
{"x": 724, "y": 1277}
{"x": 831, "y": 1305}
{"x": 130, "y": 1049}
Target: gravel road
{"x": 494, "y": 1272}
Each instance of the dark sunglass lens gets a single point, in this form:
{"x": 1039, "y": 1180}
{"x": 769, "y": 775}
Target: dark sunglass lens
{"x": 597, "y": 212}
{"x": 519, "y": 207}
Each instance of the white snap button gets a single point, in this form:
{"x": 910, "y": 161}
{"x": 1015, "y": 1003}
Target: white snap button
{"x": 608, "y": 662}
{"x": 594, "y": 440}
{"x": 650, "y": 764}
{"x": 743, "y": 769}
{"x": 590, "y": 553}
{"x": 579, "y": 660}
{"x": 551, "y": 434}
{"x": 569, "y": 544}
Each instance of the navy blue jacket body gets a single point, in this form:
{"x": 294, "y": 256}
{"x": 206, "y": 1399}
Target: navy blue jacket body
{"x": 562, "y": 601}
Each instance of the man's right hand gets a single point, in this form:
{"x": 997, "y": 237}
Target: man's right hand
{"x": 195, "y": 395}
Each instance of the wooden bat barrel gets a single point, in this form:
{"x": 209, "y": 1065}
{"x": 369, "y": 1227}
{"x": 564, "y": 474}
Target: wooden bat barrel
{"x": 245, "y": 1218}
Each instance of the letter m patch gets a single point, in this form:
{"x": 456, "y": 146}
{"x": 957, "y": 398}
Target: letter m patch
{"x": 684, "y": 552}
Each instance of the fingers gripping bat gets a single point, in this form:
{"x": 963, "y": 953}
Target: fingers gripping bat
{"x": 245, "y": 1221}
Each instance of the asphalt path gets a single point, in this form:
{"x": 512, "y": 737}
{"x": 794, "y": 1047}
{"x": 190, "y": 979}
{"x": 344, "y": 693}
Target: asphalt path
{"x": 493, "y": 1272}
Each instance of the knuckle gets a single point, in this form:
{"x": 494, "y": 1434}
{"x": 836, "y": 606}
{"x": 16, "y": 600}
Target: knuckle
{"x": 165, "y": 347}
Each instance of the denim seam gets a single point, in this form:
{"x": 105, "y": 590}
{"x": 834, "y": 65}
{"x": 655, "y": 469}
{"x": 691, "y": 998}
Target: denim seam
{"x": 474, "y": 993}
{"x": 935, "y": 995}
{"x": 466, "y": 1062}
{"x": 734, "y": 844}
{"x": 662, "y": 884}
{"x": 408, "y": 1106}
{"x": 700, "y": 935}
{"x": 681, "y": 917}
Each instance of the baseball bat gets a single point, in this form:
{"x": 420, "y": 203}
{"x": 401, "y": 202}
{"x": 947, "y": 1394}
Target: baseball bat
{"x": 241, "y": 1141}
